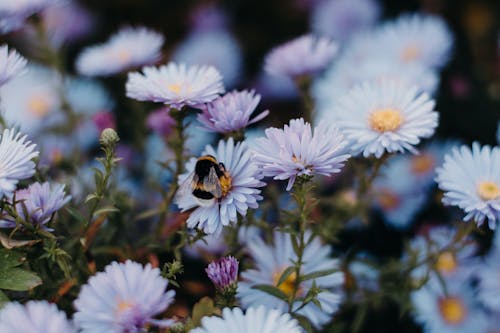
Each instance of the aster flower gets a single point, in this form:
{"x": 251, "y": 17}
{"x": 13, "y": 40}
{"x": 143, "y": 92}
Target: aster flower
{"x": 14, "y": 13}
{"x": 272, "y": 260}
{"x": 128, "y": 48}
{"x": 40, "y": 201}
{"x": 379, "y": 117}
{"x": 176, "y": 85}
{"x": 231, "y": 112}
{"x": 306, "y": 55}
{"x": 223, "y": 273}
{"x": 16, "y": 154}
{"x": 456, "y": 255}
{"x": 295, "y": 151}
{"x": 34, "y": 316}
{"x": 32, "y": 101}
{"x": 258, "y": 319}
{"x": 238, "y": 195}
{"x": 470, "y": 180}
{"x": 217, "y": 48}
{"x": 11, "y": 64}
{"x": 340, "y": 19}
{"x": 123, "y": 298}
{"x": 489, "y": 286}
{"x": 453, "y": 311}
{"x": 416, "y": 38}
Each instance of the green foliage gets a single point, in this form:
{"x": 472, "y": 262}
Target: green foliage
{"x": 12, "y": 276}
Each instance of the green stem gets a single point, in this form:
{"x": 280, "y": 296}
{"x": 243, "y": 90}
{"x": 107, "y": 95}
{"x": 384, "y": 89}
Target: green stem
{"x": 304, "y": 86}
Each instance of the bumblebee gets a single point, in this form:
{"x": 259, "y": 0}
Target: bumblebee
{"x": 209, "y": 180}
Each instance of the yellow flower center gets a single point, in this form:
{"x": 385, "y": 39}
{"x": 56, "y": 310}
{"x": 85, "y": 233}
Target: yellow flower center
{"x": 288, "y": 285}
{"x": 452, "y": 309}
{"x": 38, "y": 105}
{"x": 124, "y": 306}
{"x": 446, "y": 262}
{"x": 488, "y": 190}
{"x": 422, "y": 164}
{"x": 388, "y": 200}
{"x": 386, "y": 120}
{"x": 122, "y": 56}
{"x": 410, "y": 53}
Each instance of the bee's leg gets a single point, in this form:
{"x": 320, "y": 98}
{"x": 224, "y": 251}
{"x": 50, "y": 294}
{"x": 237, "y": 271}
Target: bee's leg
{"x": 222, "y": 166}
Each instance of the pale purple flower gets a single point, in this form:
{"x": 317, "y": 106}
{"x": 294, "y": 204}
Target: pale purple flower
{"x": 175, "y": 85}
{"x": 40, "y": 201}
{"x": 123, "y": 298}
{"x": 296, "y": 151}
{"x": 128, "y": 48}
{"x": 34, "y": 317}
{"x": 16, "y": 154}
{"x": 13, "y": 13}
{"x": 11, "y": 64}
{"x": 160, "y": 122}
{"x": 223, "y": 273}
{"x": 231, "y": 112}
{"x": 241, "y": 193}
{"x": 341, "y": 19}
{"x": 305, "y": 55}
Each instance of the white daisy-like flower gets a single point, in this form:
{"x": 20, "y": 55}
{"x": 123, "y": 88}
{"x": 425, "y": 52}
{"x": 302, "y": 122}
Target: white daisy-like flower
{"x": 176, "y": 85}
{"x": 16, "y": 154}
{"x": 272, "y": 260}
{"x": 32, "y": 101}
{"x": 254, "y": 320}
{"x": 416, "y": 38}
{"x": 239, "y": 188}
{"x": 128, "y": 48}
{"x": 385, "y": 116}
{"x": 296, "y": 151}
{"x": 453, "y": 311}
{"x": 34, "y": 317}
{"x": 11, "y": 64}
{"x": 470, "y": 180}
{"x": 305, "y": 55}
{"x": 489, "y": 283}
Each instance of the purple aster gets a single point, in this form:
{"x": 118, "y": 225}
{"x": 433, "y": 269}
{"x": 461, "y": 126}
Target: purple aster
{"x": 295, "y": 151}
{"x": 129, "y": 48}
{"x": 11, "y": 64}
{"x": 240, "y": 192}
{"x": 40, "y": 202}
{"x": 16, "y": 154}
{"x": 231, "y": 112}
{"x": 123, "y": 298}
{"x": 223, "y": 273}
{"x": 13, "y": 13}
{"x": 306, "y": 55}
{"x": 160, "y": 122}
{"x": 176, "y": 85}
{"x": 34, "y": 317}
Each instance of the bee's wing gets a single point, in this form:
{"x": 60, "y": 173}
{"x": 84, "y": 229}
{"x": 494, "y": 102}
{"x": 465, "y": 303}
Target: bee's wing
{"x": 212, "y": 184}
{"x": 188, "y": 185}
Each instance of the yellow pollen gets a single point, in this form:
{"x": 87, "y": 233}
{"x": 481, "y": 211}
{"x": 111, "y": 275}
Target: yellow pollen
{"x": 422, "y": 164}
{"x": 452, "y": 309}
{"x": 175, "y": 88}
{"x": 57, "y": 156}
{"x": 388, "y": 200}
{"x": 488, "y": 190}
{"x": 410, "y": 53}
{"x": 123, "y": 56}
{"x": 386, "y": 120}
{"x": 446, "y": 263}
{"x": 226, "y": 182}
{"x": 288, "y": 285}
{"x": 123, "y": 306}
{"x": 38, "y": 105}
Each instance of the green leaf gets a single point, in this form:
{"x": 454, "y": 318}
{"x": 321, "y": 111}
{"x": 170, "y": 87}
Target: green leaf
{"x": 12, "y": 243}
{"x": 318, "y": 274}
{"x": 91, "y": 197}
{"x": 10, "y": 259}
{"x": 18, "y": 279}
{"x": 304, "y": 322}
{"x": 271, "y": 290}
{"x": 286, "y": 273}
{"x": 106, "y": 210}
{"x": 3, "y": 299}
{"x": 205, "y": 307}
